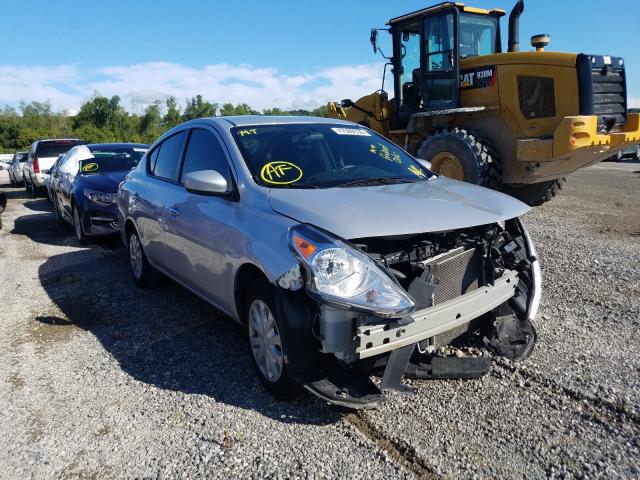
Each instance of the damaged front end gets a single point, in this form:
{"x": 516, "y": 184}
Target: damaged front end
{"x": 384, "y": 304}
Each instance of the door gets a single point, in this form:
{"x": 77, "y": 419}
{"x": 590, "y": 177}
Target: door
{"x": 151, "y": 195}
{"x": 200, "y": 232}
{"x": 440, "y": 68}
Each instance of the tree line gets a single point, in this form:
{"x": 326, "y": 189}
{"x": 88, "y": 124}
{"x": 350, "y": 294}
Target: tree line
{"x": 103, "y": 119}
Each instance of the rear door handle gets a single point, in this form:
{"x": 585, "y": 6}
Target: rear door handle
{"x": 174, "y": 211}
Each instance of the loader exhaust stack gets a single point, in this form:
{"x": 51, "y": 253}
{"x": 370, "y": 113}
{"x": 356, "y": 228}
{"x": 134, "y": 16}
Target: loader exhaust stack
{"x": 514, "y": 26}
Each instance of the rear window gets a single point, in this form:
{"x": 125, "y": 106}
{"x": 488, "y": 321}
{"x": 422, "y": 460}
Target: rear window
{"x": 56, "y": 148}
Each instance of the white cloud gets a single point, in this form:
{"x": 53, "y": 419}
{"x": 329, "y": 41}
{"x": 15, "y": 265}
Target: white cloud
{"x": 633, "y": 102}
{"x": 67, "y": 86}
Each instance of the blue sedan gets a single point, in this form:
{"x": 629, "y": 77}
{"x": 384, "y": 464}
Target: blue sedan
{"x": 85, "y": 183}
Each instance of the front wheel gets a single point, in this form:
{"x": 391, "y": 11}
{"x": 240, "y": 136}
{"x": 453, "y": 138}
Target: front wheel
{"x": 266, "y": 343}
{"x": 56, "y": 210}
{"x": 144, "y": 274}
{"x": 77, "y": 226}
{"x": 462, "y": 155}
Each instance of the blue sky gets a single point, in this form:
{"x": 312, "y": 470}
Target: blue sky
{"x": 282, "y": 53}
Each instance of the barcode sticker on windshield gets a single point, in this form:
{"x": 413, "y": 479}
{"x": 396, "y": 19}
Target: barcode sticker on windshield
{"x": 351, "y": 131}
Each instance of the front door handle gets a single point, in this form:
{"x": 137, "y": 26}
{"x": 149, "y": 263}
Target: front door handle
{"x": 174, "y": 211}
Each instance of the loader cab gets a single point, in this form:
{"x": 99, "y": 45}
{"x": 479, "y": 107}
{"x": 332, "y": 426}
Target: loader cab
{"x": 427, "y": 48}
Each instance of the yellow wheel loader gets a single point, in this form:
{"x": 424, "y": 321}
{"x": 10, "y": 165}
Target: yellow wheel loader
{"x": 515, "y": 121}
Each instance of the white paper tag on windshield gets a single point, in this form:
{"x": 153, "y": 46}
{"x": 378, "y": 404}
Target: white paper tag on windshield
{"x": 140, "y": 149}
{"x": 351, "y": 131}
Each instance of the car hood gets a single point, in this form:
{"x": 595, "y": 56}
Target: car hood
{"x": 106, "y": 182}
{"x": 435, "y": 205}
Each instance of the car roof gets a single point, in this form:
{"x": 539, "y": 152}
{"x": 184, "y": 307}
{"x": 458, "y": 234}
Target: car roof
{"x": 59, "y": 140}
{"x": 246, "y": 120}
{"x": 117, "y": 145}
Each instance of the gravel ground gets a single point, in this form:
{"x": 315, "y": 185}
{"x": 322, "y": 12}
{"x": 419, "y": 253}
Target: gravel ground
{"x": 100, "y": 379}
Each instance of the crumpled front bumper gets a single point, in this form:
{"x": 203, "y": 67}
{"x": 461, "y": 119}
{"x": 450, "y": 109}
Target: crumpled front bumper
{"x": 381, "y": 337}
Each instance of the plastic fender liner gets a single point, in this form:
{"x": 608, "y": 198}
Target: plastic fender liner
{"x": 301, "y": 355}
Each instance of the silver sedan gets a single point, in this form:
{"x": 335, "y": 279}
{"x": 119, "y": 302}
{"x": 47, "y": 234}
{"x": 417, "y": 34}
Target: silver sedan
{"x": 340, "y": 254}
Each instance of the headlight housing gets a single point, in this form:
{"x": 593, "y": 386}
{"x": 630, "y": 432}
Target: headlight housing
{"x": 343, "y": 276}
{"x": 101, "y": 197}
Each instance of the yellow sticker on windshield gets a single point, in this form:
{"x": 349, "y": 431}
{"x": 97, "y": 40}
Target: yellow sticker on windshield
{"x": 251, "y": 131}
{"x": 417, "y": 171}
{"x": 90, "y": 167}
{"x": 280, "y": 173}
{"x": 384, "y": 153}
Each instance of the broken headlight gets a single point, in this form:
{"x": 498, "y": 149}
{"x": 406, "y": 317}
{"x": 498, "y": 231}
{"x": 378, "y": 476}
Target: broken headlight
{"x": 341, "y": 275}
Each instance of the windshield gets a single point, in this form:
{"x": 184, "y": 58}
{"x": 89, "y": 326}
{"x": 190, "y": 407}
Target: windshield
{"x": 117, "y": 159}
{"x": 322, "y": 156}
{"x": 477, "y": 35}
{"x": 56, "y": 148}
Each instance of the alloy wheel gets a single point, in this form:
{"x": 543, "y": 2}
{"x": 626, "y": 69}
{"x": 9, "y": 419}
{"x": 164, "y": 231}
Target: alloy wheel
{"x": 266, "y": 344}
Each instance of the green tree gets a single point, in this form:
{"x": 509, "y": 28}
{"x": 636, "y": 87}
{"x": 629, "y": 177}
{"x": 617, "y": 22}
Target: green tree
{"x": 93, "y": 134}
{"x": 100, "y": 112}
{"x": 149, "y": 127}
{"x": 197, "y": 107}
{"x": 172, "y": 117}
{"x": 240, "y": 109}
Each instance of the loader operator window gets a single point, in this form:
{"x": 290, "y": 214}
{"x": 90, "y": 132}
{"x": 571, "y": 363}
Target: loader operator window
{"x": 477, "y": 35}
{"x": 440, "y": 43}
{"x": 410, "y": 94}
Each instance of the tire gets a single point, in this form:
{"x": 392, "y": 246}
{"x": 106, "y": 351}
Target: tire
{"x": 264, "y": 336}
{"x": 33, "y": 190}
{"x": 535, "y": 194}
{"x": 56, "y": 210}
{"x": 144, "y": 274}
{"x": 477, "y": 156}
{"x": 26, "y": 185}
{"x": 77, "y": 227}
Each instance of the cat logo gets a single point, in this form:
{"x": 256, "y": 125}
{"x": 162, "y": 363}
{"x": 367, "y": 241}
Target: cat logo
{"x": 481, "y": 77}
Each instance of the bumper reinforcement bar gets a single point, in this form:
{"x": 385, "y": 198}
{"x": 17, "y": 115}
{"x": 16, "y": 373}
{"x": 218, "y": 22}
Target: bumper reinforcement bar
{"x": 374, "y": 339}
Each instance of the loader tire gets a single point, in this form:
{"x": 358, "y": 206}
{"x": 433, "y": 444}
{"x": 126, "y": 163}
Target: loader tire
{"x": 535, "y": 194}
{"x": 463, "y": 155}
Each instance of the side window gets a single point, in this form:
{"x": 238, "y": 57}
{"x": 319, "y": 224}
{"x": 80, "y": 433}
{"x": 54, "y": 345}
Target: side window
{"x": 410, "y": 80}
{"x": 167, "y": 157}
{"x": 204, "y": 152}
{"x": 153, "y": 158}
{"x": 440, "y": 43}
{"x": 70, "y": 166}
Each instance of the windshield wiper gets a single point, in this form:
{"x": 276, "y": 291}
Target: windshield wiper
{"x": 376, "y": 181}
{"x": 297, "y": 185}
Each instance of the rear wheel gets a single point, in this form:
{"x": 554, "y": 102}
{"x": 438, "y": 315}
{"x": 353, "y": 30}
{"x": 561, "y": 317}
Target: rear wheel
{"x": 462, "y": 155}
{"x": 34, "y": 190}
{"x": 266, "y": 343}
{"x": 535, "y": 194}
{"x": 144, "y": 274}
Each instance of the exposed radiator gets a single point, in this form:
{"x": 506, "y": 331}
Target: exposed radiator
{"x": 455, "y": 273}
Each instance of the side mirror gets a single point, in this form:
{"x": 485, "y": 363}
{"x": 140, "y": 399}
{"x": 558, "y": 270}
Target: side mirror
{"x": 374, "y": 40}
{"x": 208, "y": 182}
